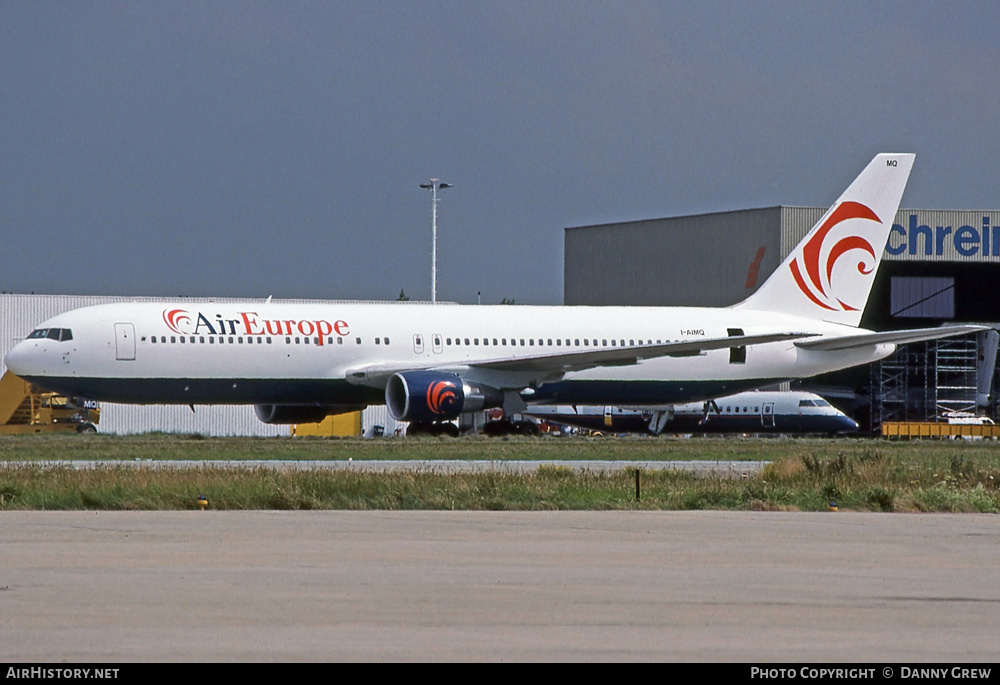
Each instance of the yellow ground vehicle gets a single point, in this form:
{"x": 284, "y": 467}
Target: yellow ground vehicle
{"x": 927, "y": 429}
{"x": 341, "y": 425}
{"x": 26, "y": 409}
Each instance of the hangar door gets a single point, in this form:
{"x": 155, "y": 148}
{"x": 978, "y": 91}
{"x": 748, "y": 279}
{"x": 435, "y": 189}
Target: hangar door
{"x": 124, "y": 342}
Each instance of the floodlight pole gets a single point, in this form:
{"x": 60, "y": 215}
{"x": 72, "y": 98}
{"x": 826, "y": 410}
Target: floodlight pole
{"x": 434, "y": 186}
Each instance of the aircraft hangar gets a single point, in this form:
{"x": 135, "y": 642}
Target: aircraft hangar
{"x": 939, "y": 266}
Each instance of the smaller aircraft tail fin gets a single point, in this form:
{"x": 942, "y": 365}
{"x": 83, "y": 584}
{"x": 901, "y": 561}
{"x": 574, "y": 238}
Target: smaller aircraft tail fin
{"x": 829, "y": 274}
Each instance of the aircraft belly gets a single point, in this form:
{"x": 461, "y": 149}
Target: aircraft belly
{"x": 212, "y": 390}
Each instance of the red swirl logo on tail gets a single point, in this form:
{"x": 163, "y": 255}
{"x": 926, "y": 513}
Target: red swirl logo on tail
{"x": 812, "y": 269}
{"x": 174, "y": 317}
{"x": 441, "y": 396}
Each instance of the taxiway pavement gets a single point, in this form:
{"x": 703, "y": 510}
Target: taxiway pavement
{"x": 497, "y": 586}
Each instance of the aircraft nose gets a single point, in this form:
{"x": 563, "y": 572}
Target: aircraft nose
{"x": 18, "y": 359}
{"x": 848, "y": 425}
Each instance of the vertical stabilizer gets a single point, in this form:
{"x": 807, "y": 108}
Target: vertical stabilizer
{"x": 830, "y": 273}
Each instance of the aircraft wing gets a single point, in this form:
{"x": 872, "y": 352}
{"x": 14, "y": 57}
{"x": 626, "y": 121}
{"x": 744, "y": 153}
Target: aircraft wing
{"x": 556, "y": 363}
{"x": 624, "y": 356}
{"x": 846, "y": 342}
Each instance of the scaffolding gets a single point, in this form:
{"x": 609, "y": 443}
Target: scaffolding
{"x": 955, "y": 362}
{"x": 925, "y": 381}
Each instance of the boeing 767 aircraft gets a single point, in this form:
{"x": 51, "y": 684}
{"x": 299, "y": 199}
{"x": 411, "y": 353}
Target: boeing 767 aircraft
{"x": 429, "y": 363}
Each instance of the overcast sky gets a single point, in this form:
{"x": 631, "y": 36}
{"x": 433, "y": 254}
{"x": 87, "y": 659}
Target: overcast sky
{"x": 276, "y": 148}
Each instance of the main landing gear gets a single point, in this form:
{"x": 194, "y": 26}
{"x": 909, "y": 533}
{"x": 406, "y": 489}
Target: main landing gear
{"x": 445, "y": 428}
{"x": 505, "y": 427}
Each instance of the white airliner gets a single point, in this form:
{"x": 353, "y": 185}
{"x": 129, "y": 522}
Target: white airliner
{"x": 745, "y": 412}
{"x": 300, "y": 362}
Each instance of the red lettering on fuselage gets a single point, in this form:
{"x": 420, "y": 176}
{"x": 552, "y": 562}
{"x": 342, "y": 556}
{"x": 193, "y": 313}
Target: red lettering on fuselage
{"x": 250, "y": 325}
{"x": 249, "y": 322}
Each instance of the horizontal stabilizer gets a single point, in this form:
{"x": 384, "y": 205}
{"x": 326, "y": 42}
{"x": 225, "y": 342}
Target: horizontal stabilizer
{"x": 846, "y": 342}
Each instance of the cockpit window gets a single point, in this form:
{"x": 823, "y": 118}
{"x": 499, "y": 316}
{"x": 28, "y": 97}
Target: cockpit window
{"x": 52, "y": 334}
{"x": 806, "y": 403}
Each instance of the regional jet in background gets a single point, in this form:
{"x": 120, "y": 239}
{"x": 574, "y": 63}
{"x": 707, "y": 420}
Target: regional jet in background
{"x": 429, "y": 363}
{"x": 790, "y": 412}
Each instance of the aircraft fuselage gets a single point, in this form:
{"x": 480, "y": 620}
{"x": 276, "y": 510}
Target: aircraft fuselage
{"x": 254, "y": 352}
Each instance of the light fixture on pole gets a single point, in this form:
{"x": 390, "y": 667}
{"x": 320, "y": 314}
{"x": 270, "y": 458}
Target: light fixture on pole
{"x": 434, "y": 186}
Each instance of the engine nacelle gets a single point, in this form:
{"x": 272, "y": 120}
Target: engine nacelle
{"x": 436, "y": 396}
{"x": 299, "y": 413}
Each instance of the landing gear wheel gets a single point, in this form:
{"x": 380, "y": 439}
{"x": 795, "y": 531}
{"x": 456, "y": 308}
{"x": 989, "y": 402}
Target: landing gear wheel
{"x": 446, "y": 429}
{"x": 498, "y": 428}
{"x": 526, "y": 428}
{"x": 418, "y": 428}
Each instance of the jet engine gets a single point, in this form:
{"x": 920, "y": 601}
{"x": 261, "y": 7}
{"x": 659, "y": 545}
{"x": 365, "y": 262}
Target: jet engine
{"x": 436, "y": 396}
{"x": 299, "y": 413}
